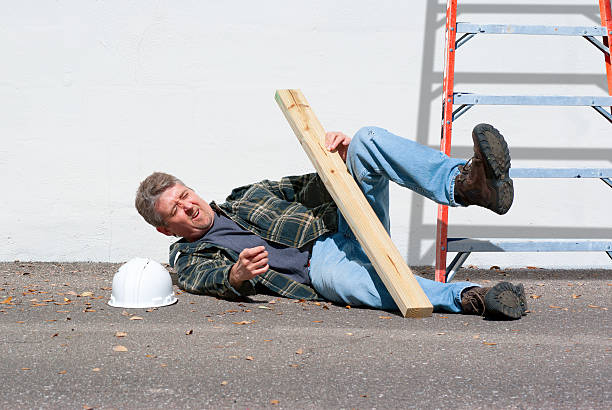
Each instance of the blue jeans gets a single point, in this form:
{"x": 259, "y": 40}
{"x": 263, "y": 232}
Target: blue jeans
{"x": 339, "y": 268}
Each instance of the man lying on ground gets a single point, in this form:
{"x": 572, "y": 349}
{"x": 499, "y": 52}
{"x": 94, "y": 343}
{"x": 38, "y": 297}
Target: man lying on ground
{"x": 288, "y": 237}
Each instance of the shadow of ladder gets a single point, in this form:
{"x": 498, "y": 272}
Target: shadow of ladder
{"x": 466, "y": 101}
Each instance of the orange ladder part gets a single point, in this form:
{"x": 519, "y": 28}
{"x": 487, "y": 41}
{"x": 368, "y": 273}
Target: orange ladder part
{"x": 450, "y": 98}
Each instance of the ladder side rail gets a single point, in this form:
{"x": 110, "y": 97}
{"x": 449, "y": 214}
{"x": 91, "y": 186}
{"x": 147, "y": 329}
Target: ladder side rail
{"x": 447, "y": 127}
{"x": 605, "y": 11}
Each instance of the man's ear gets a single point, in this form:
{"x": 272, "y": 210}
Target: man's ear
{"x": 164, "y": 230}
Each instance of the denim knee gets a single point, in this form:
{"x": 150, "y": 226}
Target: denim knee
{"x": 365, "y": 134}
{"x": 361, "y": 139}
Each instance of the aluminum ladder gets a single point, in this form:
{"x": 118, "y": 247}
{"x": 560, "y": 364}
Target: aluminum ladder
{"x": 466, "y": 101}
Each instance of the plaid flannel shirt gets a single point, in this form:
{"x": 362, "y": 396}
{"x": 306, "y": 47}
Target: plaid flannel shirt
{"x": 293, "y": 212}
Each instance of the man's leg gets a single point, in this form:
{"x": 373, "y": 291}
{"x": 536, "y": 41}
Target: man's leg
{"x": 376, "y": 156}
{"x": 339, "y": 269}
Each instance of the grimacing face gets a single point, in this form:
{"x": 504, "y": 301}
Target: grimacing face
{"x": 185, "y": 214}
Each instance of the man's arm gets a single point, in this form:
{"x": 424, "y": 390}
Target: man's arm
{"x": 205, "y": 272}
{"x": 251, "y": 262}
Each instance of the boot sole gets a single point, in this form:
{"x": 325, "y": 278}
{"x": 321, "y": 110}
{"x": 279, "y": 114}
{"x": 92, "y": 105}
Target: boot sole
{"x": 503, "y": 303}
{"x": 520, "y": 291}
{"x": 496, "y": 154}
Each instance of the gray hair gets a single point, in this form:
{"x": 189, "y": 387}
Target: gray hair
{"x": 149, "y": 192}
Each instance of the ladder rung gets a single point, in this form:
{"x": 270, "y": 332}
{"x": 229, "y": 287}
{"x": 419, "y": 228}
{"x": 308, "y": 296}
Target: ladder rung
{"x": 531, "y": 30}
{"x": 528, "y": 245}
{"x": 561, "y": 172}
{"x": 483, "y": 99}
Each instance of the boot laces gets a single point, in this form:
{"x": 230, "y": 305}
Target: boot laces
{"x": 476, "y": 301}
{"x": 465, "y": 169}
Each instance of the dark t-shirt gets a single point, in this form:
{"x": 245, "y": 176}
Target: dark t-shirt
{"x": 291, "y": 262}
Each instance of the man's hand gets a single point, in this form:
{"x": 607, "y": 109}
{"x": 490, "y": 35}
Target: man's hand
{"x": 251, "y": 262}
{"x": 337, "y": 141}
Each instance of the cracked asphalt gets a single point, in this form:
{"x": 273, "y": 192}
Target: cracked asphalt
{"x": 62, "y": 346}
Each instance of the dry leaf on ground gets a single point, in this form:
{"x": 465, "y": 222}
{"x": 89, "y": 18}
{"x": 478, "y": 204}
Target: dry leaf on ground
{"x": 244, "y": 322}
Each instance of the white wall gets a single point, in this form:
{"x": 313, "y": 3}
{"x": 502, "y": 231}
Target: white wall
{"x": 95, "y": 95}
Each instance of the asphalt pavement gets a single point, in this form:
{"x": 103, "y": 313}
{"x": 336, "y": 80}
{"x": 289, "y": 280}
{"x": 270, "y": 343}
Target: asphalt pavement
{"x": 63, "y": 346}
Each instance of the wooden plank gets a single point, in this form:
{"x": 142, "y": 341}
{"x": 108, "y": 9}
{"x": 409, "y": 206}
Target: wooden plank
{"x": 370, "y": 233}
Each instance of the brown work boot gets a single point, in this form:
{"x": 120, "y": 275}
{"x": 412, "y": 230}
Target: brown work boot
{"x": 485, "y": 180}
{"x": 503, "y": 301}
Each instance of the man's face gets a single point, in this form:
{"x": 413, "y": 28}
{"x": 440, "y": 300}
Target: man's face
{"x": 184, "y": 212}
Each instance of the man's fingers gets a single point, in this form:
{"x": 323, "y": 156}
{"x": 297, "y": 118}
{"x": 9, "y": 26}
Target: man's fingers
{"x": 251, "y": 252}
{"x": 261, "y": 270}
{"x": 259, "y": 256}
{"x": 333, "y": 139}
{"x": 257, "y": 264}
{"x": 329, "y": 136}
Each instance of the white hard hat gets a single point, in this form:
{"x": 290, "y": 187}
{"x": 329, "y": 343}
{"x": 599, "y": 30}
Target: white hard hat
{"x": 142, "y": 283}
